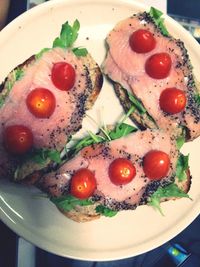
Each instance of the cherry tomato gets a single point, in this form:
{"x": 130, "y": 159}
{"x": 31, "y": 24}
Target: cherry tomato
{"x": 156, "y": 164}
{"x": 18, "y": 139}
{"x": 63, "y": 76}
{"x": 121, "y": 171}
{"x": 41, "y": 102}
{"x": 142, "y": 41}
{"x": 83, "y": 183}
{"x": 158, "y": 65}
{"x": 172, "y": 100}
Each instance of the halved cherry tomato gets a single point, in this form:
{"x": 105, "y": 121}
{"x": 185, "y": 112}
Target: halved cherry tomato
{"x": 83, "y": 183}
{"x": 172, "y": 100}
{"x": 18, "y": 139}
{"x": 158, "y": 65}
{"x": 156, "y": 164}
{"x": 41, "y": 102}
{"x": 121, "y": 171}
{"x": 142, "y": 41}
{"x": 63, "y": 76}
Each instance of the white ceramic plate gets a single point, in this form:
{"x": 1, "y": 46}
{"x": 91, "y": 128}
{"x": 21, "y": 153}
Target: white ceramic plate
{"x": 37, "y": 220}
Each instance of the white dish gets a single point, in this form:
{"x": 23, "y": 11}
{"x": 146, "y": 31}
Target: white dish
{"x": 36, "y": 219}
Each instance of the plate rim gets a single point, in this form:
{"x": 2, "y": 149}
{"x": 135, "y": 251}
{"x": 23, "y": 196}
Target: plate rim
{"x": 23, "y": 232}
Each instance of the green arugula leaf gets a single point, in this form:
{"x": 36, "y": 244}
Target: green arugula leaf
{"x": 171, "y": 190}
{"x": 67, "y": 38}
{"x": 159, "y": 21}
{"x": 197, "y": 99}
{"x": 40, "y": 156}
{"x": 18, "y": 74}
{"x": 14, "y": 76}
{"x": 182, "y": 167}
{"x": 40, "y": 54}
{"x": 69, "y": 202}
{"x": 121, "y": 130}
{"x": 80, "y": 52}
{"x": 105, "y": 211}
{"x": 180, "y": 141}
{"x": 139, "y": 106}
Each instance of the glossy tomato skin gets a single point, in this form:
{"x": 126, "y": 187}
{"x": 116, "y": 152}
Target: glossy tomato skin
{"x": 172, "y": 100}
{"x": 18, "y": 139}
{"x": 142, "y": 41}
{"x": 158, "y": 66}
{"x": 156, "y": 164}
{"x": 63, "y": 76}
{"x": 121, "y": 171}
{"x": 83, "y": 184}
{"x": 41, "y": 102}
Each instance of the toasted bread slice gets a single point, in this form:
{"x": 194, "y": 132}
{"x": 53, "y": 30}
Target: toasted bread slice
{"x": 128, "y": 72}
{"x": 16, "y": 167}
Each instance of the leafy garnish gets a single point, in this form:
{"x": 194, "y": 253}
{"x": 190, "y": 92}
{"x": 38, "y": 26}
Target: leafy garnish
{"x": 40, "y": 156}
{"x": 197, "y": 99}
{"x": 40, "y": 54}
{"x": 14, "y": 76}
{"x": 138, "y": 105}
{"x": 105, "y": 211}
{"x": 68, "y": 35}
{"x": 180, "y": 141}
{"x": 69, "y": 202}
{"x": 182, "y": 167}
{"x": 80, "y": 52}
{"x": 159, "y": 21}
{"x": 121, "y": 130}
{"x": 171, "y": 190}
{"x": 67, "y": 38}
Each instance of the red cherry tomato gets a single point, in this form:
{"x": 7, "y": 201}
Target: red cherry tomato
{"x": 142, "y": 41}
{"x": 121, "y": 171}
{"x": 41, "y": 102}
{"x": 83, "y": 183}
{"x": 158, "y": 65}
{"x": 172, "y": 100}
{"x": 156, "y": 164}
{"x": 63, "y": 76}
{"x": 18, "y": 139}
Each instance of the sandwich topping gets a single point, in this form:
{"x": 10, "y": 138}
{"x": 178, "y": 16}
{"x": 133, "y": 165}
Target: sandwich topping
{"x": 122, "y": 170}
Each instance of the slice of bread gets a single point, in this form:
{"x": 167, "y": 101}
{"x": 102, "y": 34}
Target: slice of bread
{"x": 18, "y": 168}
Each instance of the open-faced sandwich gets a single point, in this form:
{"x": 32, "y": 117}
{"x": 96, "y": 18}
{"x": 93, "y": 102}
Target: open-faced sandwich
{"x": 118, "y": 171}
{"x": 42, "y": 104}
{"x": 151, "y": 71}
